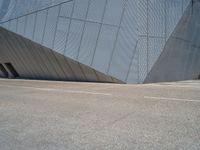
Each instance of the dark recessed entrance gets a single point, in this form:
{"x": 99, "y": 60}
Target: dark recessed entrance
{"x": 12, "y": 70}
{"x": 3, "y": 71}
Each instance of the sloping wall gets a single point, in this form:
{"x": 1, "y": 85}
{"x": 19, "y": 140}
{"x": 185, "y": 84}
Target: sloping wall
{"x": 33, "y": 61}
{"x": 180, "y": 59}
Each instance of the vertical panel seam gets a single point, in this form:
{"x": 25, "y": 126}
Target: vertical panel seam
{"x": 147, "y": 36}
{"x": 57, "y": 20}
{"x": 99, "y": 33}
{"x": 53, "y": 42}
{"x": 33, "y": 36}
{"x": 67, "y": 37}
{"x": 30, "y": 50}
{"x": 24, "y": 32}
{"x": 132, "y": 57}
{"x": 117, "y": 35}
{"x": 165, "y": 21}
{"x": 29, "y": 70}
{"x": 68, "y": 32}
{"x": 52, "y": 66}
{"x": 84, "y": 26}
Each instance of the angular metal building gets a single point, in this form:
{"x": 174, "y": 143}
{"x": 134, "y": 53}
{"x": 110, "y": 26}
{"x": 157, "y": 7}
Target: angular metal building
{"x": 121, "y": 41}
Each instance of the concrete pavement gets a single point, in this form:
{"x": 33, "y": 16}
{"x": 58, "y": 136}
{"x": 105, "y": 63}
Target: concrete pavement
{"x": 45, "y": 115}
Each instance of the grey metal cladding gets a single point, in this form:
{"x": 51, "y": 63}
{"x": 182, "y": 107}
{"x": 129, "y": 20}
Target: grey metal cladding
{"x": 33, "y": 69}
{"x": 126, "y": 40}
{"x": 61, "y": 35}
{"x": 7, "y": 57}
{"x": 96, "y": 9}
{"x": 29, "y": 28}
{"x": 113, "y": 12}
{"x": 15, "y": 8}
{"x": 104, "y": 48}
{"x": 74, "y": 39}
{"x": 51, "y": 25}
{"x": 133, "y": 73}
{"x": 21, "y": 22}
{"x": 142, "y": 62}
{"x": 66, "y": 9}
{"x": 180, "y": 57}
{"x": 156, "y": 19}
{"x": 122, "y": 39}
{"x": 40, "y": 26}
{"x": 3, "y": 8}
{"x": 155, "y": 48}
{"x": 142, "y": 16}
{"x": 172, "y": 15}
{"x": 80, "y": 9}
{"x": 88, "y": 43}
{"x": 13, "y": 25}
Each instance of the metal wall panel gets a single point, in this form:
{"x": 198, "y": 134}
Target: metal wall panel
{"x": 142, "y": 11}
{"x": 1, "y": 3}
{"x": 18, "y": 8}
{"x": 185, "y": 4}
{"x": 104, "y": 48}
{"x": 133, "y": 74}
{"x": 8, "y": 9}
{"x": 30, "y": 22}
{"x": 3, "y": 7}
{"x": 65, "y": 67}
{"x": 50, "y": 27}
{"x": 5, "y": 56}
{"x": 18, "y": 52}
{"x": 155, "y": 48}
{"x": 32, "y": 64}
{"x": 53, "y": 63}
{"x": 180, "y": 58}
{"x": 66, "y": 9}
{"x": 113, "y": 12}
{"x": 9, "y": 55}
{"x": 173, "y": 15}
{"x": 35, "y": 52}
{"x": 61, "y": 35}
{"x": 78, "y": 72}
{"x": 13, "y": 25}
{"x": 88, "y": 43}
{"x": 80, "y": 9}
{"x": 156, "y": 18}
{"x": 45, "y": 61}
{"x": 90, "y": 74}
{"x": 5, "y": 25}
{"x": 96, "y": 9}
{"x": 74, "y": 39}
{"x": 143, "y": 55}
{"x": 126, "y": 42}
{"x": 21, "y": 25}
{"x": 108, "y": 35}
{"x": 40, "y": 26}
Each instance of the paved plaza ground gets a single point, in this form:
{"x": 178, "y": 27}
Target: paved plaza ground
{"x": 48, "y": 115}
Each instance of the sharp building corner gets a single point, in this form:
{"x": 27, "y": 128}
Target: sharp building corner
{"x": 180, "y": 59}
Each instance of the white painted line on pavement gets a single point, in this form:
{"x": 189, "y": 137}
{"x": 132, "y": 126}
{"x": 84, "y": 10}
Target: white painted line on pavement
{"x": 74, "y": 92}
{"x": 58, "y": 90}
{"x": 175, "y": 86}
{"x": 172, "y": 99}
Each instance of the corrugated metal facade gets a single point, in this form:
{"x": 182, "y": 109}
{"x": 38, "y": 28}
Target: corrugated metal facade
{"x": 120, "y": 38}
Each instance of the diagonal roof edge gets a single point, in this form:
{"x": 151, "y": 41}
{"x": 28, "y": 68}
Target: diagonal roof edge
{"x": 1, "y": 22}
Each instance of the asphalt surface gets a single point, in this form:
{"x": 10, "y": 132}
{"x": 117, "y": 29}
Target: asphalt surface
{"x": 44, "y": 115}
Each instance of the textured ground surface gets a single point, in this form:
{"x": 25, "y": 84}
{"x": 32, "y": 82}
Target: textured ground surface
{"x": 41, "y": 115}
